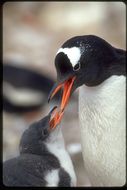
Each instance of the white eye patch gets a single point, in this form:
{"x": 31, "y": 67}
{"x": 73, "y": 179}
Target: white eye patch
{"x": 73, "y": 54}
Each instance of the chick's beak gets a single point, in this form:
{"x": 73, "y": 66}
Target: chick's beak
{"x": 67, "y": 87}
{"x": 56, "y": 119}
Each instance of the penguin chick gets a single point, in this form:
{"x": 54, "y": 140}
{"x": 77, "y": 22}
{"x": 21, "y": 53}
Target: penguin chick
{"x": 43, "y": 159}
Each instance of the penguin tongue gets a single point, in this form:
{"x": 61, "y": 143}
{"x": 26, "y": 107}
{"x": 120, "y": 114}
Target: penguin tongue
{"x": 67, "y": 86}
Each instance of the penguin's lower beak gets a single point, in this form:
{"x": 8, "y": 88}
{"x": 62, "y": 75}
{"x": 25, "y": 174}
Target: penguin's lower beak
{"x": 67, "y": 87}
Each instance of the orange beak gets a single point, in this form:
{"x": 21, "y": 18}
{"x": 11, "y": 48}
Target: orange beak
{"x": 67, "y": 86}
{"x": 56, "y": 119}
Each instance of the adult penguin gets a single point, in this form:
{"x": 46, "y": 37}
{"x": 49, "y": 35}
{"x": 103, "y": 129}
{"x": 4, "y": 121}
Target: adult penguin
{"x": 99, "y": 68}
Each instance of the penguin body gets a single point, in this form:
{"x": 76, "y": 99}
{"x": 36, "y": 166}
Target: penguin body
{"x": 39, "y": 162}
{"x": 103, "y": 131}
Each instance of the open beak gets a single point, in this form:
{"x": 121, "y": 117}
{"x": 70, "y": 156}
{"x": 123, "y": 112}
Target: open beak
{"x": 67, "y": 87}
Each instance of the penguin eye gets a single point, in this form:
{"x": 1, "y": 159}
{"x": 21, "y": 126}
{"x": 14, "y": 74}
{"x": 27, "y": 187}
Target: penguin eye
{"x": 76, "y": 67}
{"x": 45, "y": 132}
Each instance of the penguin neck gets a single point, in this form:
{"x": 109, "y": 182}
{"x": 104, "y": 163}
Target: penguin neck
{"x": 55, "y": 140}
{"x": 55, "y": 145}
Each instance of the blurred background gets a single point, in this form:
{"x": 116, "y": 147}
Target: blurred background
{"x": 32, "y": 34}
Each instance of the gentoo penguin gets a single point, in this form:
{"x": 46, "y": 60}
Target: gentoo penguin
{"x": 24, "y": 90}
{"x": 99, "y": 68}
{"x": 43, "y": 159}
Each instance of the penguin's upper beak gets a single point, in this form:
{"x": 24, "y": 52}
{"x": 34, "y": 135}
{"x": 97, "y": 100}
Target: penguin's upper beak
{"x": 66, "y": 85}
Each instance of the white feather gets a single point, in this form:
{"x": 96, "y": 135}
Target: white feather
{"x": 22, "y": 97}
{"x": 56, "y": 146}
{"x": 103, "y": 132}
{"x": 73, "y": 54}
{"x": 52, "y": 178}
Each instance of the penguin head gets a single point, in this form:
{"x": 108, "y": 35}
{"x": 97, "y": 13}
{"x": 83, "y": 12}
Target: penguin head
{"x": 85, "y": 60}
{"x": 34, "y": 138}
{"x": 85, "y": 57}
